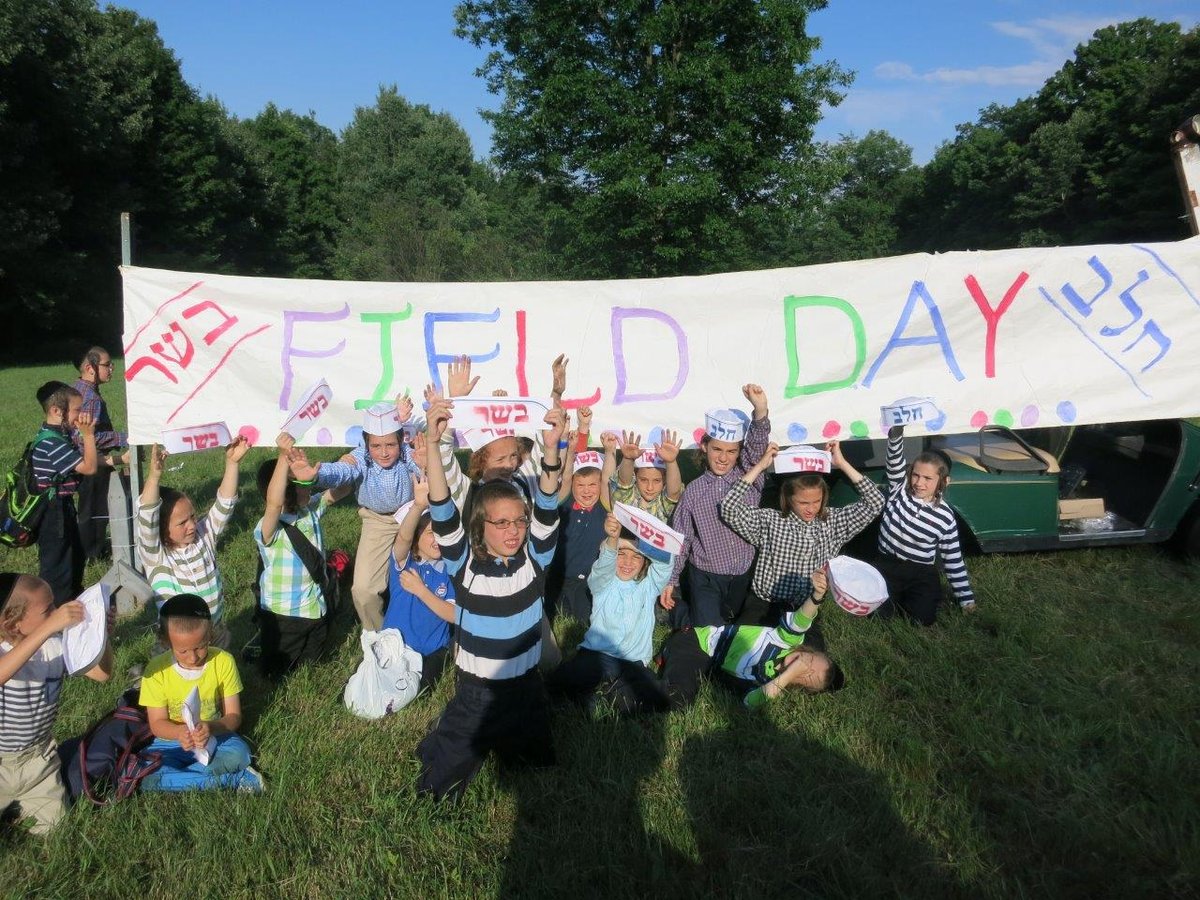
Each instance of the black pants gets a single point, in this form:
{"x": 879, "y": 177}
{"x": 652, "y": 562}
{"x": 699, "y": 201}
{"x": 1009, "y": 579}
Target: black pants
{"x": 684, "y": 666}
{"x": 93, "y": 513}
{"x": 575, "y": 600}
{"x": 629, "y": 686}
{"x": 713, "y": 599}
{"x": 289, "y": 641}
{"x": 913, "y": 590}
{"x": 432, "y": 666}
{"x": 60, "y": 554}
{"x": 510, "y": 717}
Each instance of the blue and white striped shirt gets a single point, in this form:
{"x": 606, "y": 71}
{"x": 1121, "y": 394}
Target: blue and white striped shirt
{"x": 499, "y": 617}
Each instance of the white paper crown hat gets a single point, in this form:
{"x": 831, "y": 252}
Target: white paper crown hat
{"x": 803, "y": 459}
{"x": 381, "y": 419}
{"x": 857, "y": 586}
{"x": 588, "y": 459}
{"x": 649, "y": 459}
{"x": 725, "y": 425}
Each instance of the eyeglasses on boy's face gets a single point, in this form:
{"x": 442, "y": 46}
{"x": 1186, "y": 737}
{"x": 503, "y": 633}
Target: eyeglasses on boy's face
{"x": 504, "y": 524}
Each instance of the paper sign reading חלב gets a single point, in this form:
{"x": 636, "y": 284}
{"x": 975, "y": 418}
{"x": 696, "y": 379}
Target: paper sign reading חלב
{"x": 909, "y": 411}
{"x": 196, "y": 437}
{"x": 309, "y": 409}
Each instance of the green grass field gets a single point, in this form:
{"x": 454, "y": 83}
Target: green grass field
{"x": 1046, "y": 746}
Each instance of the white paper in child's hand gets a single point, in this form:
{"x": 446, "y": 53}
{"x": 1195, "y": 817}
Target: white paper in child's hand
{"x": 403, "y": 511}
{"x": 84, "y": 641}
{"x": 196, "y": 437}
{"x": 191, "y": 718}
{"x": 310, "y": 408}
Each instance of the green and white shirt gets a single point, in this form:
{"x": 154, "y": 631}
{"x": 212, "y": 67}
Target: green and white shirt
{"x": 285, "y": 587}
{"x": 191, "y": 569}
{"x": 750, "y": 651}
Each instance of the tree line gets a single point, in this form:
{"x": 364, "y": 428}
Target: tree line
{"x": 633, "y": 140}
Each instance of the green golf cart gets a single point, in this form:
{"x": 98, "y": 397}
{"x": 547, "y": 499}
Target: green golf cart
{"x": 1077, "y": 486}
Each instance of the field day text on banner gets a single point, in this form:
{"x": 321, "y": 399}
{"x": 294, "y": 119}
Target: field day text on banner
{"x": 1011, "y": 337}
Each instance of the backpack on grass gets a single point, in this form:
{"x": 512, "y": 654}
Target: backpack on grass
{"x": 22, "y": 504}
{"x": 108, "y": 763}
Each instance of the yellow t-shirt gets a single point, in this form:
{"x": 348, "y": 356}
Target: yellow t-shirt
{"x": 162, "y": 685}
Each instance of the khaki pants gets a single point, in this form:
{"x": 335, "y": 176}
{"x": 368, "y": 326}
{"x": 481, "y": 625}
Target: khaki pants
{"x": 33, "y": 779}
{"x": 371, "y": 566}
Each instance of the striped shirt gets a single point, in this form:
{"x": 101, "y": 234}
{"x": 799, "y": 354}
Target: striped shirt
{"x": 54, "y": 459}
{"x": 29, "y": 699}
{"x": 708, "y": 543}
{"x": 525, "y": 478}
{"x": 499, "y": 617}
{"x": 751, "y": 650}
{"x": 919, "y": 531}
{"x": 286, "y": 588}
{"x": 191, "y": 569}
{"x": 790, "y": 549}
{"x": 107, "y": 437}
{"x": 380, "y": 490}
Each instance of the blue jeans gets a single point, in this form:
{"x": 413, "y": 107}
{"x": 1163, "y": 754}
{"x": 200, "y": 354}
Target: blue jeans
{"x": 181, "y": 772}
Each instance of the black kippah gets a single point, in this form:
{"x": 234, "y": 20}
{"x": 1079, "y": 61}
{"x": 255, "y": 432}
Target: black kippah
{"x": 8, "y": 581}
{"x": 185, "y": 606}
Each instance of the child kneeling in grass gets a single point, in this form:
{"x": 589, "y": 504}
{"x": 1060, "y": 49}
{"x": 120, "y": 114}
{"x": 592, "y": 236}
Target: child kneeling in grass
{"x": 625, "y": 584}
{"x": 185, "y": 625}
{"x": 31, "y": 676}
{"x": 753, "y": 660}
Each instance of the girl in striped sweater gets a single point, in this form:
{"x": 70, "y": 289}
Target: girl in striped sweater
{"x": 916, "y": 533}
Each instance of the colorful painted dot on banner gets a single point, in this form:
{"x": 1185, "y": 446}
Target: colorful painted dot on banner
{"x": 797, "y": 432}
{"x": 832, "y": 429}
{"x": 1066, "y": 411}
{"x": 936, "y": 423}
{"x": 353, "y": 436}
{"x": 324, "y": 437}
{"x": 250, "y": 433}
{"x": 698, "y": 435}
{"x": 859, "y": 428}
{"x": 1004, "y": 418}
{"x": 979, "y": 419}
{"x": 654, "y": 437}
{"x": 1029, "y": 415}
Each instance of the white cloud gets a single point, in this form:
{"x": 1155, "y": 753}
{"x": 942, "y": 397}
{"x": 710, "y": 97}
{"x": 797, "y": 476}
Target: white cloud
{"x": 1052, "y": 40}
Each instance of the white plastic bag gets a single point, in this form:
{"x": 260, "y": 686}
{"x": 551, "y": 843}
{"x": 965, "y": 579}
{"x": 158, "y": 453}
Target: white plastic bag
{"x": 387, "y": 679}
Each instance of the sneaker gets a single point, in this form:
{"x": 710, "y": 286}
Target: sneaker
{"x": 251, "y": 782}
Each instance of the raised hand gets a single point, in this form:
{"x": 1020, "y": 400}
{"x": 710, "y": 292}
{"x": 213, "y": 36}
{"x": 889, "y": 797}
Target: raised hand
{"x": 763, "y": 464}
{"x": 301, "y": 468}
{"x": 84, "y": 424}
{"x": 584, "y": 417}
{"x": 631, "y": 445}
{"x": 835, "y": 450}
{"x": 610, "y": 441}
{"x": 558, "y": 373}
{"x": 65, "y": 616}
{"x": 421, "y": 494}
{"x": 436, "y": 418}
{"x": 557, "y": 420}
{"x": 158, "y": 460}
{"x": 284, "y": 441}
{"x": 668, "y": 447}
{"x": 237, "y": 449}
{"x": 404, "y": 407}
{"x": 612, "y": 526}
{"x": 459, "y": 382}
{"x": 418, "y": 450}
{"x": 758, "y": 399}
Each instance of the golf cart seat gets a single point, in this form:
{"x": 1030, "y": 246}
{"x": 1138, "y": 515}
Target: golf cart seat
{"x": 996, "y": 449}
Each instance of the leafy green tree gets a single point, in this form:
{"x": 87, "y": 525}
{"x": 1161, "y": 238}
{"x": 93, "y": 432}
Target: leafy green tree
{"x": 674, "y": 135}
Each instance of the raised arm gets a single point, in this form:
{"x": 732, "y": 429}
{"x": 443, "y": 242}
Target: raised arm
{"x": 87, "y": 434}
{"x": 566, "y": 447}
{"x": 609, "y": 441}
{"x": 745, "y": 519}
{"x": 759, "y": 432}
{"x": 551, "y": 466}
{"x": 437, "y": 418}
{"x": 895, "y": 455}
{"x": 277, "y": 488}
{"x": 604, "y": 569}
{"x": 158, "y": 459}
{"x": 408, "y": 525}
{"x": 234, "y": 453}
{"x": 64, "y": 617}
{"x": 631, "y": 449}
{"x": 850, "y": 520}
{"x": 668, "y": 452}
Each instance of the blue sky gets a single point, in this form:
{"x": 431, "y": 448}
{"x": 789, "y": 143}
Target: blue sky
{"x": 922, "y": 66}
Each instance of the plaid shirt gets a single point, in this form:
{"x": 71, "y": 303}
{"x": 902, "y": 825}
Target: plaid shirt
{"x": 285, "y": 587}
{"x": 107, "y": 437}
{"x": 790, "y": 549}
{"x": 661, "y": 507}
{"x": 708, "y": 544}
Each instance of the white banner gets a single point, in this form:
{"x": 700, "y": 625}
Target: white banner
{"x": 1010, "y": 337}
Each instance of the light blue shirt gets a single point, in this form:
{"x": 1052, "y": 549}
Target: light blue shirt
{"x": 623, "y": 611}
{"x": 380, "y": 490}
